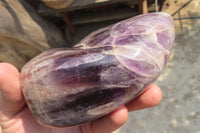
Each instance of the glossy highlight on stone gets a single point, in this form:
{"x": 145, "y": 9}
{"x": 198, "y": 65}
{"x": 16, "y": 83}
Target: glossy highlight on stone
{"x": 108, "y": 68}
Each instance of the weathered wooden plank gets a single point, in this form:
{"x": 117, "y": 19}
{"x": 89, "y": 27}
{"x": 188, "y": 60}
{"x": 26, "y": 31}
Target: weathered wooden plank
{"x": 143, "y": 6}
{"x": 81, "y": 4}
{"x": 90, "y": 3}
{"x": 94, "y": 17}
{"x": 24, "y": 34}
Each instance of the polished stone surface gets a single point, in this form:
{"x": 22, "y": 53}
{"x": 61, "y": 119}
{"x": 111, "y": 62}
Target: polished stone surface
{"x": 108, "y": 68}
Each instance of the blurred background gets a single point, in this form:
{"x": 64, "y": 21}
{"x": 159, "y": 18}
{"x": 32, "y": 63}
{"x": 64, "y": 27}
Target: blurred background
{"x": 29, "y": 27}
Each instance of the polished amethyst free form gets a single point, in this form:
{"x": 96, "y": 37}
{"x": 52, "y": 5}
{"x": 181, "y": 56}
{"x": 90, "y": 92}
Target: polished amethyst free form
{"x": 108, "y": 68}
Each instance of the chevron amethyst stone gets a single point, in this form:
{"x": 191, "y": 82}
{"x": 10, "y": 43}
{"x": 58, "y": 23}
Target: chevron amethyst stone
{"x": 108, "y": 68}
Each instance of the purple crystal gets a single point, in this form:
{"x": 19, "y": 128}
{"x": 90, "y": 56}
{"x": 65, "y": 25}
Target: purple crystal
{"x": 108, "y": 68}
